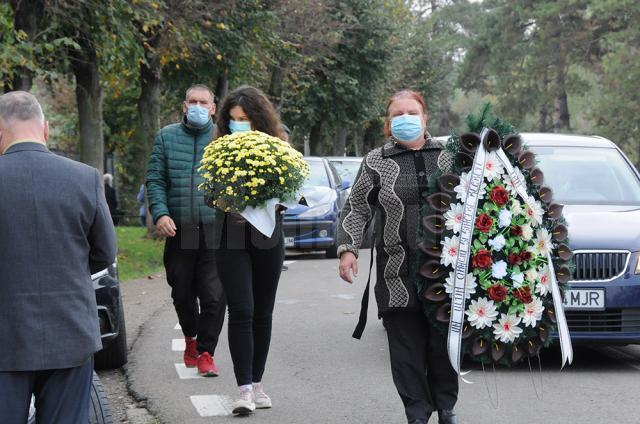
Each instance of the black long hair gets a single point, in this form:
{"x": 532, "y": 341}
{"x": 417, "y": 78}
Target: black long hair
{"x": 256, "y": 106}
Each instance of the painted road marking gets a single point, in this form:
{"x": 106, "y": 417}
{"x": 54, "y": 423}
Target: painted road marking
{"x": 343, "y": 296}
{"x": 178, "y": 345}
{"x": 289, "y": 301}
{"x": 187, "y": 373}
{"x": 288, "y": 262}
{"x": 212, "y": 405}
{"x": 177, "y": 327}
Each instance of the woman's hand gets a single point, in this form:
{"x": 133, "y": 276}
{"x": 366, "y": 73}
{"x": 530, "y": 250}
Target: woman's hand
{"x": 348, "y": 266}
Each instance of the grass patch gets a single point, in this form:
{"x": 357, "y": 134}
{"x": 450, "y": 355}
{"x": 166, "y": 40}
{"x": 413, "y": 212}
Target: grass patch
{"x": 138, "y": 254}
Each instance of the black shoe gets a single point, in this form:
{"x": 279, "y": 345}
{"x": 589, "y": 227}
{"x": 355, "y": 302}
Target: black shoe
{"x": 446, "y": 416}
{"x": 420, "y": 420}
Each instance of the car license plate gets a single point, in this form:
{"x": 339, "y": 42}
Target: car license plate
{"x": 289, "y": 242}
{"x": 584, "y": 299}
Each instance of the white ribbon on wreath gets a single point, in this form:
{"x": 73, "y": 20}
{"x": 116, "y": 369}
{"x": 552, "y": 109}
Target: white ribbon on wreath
{"x": 458, "y": 296}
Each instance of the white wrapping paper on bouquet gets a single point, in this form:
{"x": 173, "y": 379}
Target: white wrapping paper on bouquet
{"x": 263, "y": 217}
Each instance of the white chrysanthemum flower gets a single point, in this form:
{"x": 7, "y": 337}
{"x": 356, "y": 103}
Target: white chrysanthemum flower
{"x": 499, "y": 270}
{"x": 504, "y": 218}
{"x": 470, "y": 285}
{"x": 481, "y": 313}
{"x": 449, "y": 251}
{"x": 516, "y": 207}
{"x": 535, "y": 213}
{"x": 508, "y": 183}
{"x": 497, "y": 243}
{"x": 507, "y": 329}
{"x": 517, "y": 279}
{"x": 544, "y": 281}
{"x": 493, "y": 167}
{"x": 532, "y": 313}
{"x": 543, "y": 242}
{"x": 463, "y": 187}
{"x": 531, "y": 275}
{"x": 454, "y": 217}
{"x": 527, "y": 232}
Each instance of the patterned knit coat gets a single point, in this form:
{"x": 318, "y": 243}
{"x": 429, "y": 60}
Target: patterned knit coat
{"x": 392, "y": 183}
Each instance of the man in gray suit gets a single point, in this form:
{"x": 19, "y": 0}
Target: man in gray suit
{"x": 55, "y": 231}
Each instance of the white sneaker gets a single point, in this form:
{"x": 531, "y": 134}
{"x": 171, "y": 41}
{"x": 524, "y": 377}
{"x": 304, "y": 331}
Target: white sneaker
{"x": 244, "y": 404}
{"x": 260, "y": 398}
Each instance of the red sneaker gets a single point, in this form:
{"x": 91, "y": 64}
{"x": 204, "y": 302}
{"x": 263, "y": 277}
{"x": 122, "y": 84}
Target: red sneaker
{"x": 206, "y": 366}
{"x": 190, "y": 352}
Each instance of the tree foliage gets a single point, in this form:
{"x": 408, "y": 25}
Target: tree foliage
{"x": 328, "y": 65}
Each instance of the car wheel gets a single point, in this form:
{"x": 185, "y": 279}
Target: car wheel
{"x": 331, "y": 252}
{"x": 115, "y": 354}
{"x": 99, "y": 408}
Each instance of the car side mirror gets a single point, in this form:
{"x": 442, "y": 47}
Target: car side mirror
{"x": 345, "y": 184}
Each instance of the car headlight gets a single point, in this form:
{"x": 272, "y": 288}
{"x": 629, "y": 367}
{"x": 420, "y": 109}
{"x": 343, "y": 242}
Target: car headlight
{"x": 317, "y": 211}
{"x": 638, "y": 265}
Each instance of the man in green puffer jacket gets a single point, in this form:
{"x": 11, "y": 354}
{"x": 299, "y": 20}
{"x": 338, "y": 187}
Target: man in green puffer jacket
{"x": 180, "y": 215}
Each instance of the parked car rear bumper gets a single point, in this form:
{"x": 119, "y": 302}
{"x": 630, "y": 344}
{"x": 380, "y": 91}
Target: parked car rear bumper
{"x": 306, "y": 234}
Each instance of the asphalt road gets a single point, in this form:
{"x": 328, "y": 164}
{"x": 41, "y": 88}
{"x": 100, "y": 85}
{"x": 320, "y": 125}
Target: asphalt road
{"x": 317, "y": 373}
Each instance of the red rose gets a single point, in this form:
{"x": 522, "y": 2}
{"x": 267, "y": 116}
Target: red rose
{"x": 524, "y": 294}
{"x": 484, "y": 223}
{"x": 526, "y": 256}
{"x": 499, "y": 195}
{"x": 516, "y": 230}
{"x": 482, "y": 259}
{"x": 497, "y": 292}
{"x": 514, "y": 259}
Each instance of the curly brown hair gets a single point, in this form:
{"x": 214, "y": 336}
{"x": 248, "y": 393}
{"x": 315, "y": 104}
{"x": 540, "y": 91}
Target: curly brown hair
{"x": 256, "y": 106}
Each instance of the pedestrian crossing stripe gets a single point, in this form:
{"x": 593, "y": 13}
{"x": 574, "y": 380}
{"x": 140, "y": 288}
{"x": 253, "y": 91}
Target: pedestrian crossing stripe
{"x": 187, "y": 373}
{"x": 178, "y": 345}
{"x": 212, "y": 405}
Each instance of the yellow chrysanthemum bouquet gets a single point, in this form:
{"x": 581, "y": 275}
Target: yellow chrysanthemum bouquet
{"x": 249, "y": 171}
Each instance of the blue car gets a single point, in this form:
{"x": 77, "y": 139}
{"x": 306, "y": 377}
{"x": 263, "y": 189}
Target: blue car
{"x": 314, "y": 228}
{"x": 600, "y": 189}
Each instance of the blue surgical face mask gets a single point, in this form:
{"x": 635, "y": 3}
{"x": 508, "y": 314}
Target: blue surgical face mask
{"x": 239, "y": 126}
{"x": 197, "y": 115}
{"x": 406, "y": 128}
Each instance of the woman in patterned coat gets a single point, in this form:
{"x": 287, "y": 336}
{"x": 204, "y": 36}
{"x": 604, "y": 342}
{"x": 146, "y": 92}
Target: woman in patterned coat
{"x": 392, "y": 184}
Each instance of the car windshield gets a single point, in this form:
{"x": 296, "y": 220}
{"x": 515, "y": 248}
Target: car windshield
{"x": 347, "y": 169}
{"x": 318, "y": 175}
{"x": 586, "y": 175}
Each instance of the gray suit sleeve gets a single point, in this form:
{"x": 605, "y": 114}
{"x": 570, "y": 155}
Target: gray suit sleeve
{"x": 102, "y": 236}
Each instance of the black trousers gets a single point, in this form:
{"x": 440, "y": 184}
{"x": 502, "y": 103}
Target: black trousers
{"x": 420, "y": 365}
{"x": 250, "y": 267}
{"x": 61, "y": 395}
{"x": 190, "y": 263}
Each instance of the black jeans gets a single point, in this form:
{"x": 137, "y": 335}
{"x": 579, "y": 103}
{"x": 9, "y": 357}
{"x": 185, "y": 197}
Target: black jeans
{"x": 62, "y": 395}
{"x": 420, "y": 364}
{"x": 189, "y": 260}
{"x": 250, "y": 267}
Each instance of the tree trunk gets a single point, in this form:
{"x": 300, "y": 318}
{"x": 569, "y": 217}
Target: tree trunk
{"x": 27, "y": 15}
{"x": 275, "y": 86}
{"x": 445, "y": 119}
{"x": 315, "y": 139}
{"x": 543, "y": 112}
{"x": 369, "y": 140}
{"x": 358, "y": 135}
{"x": 149, "y": 112}
{"x": 340, "y": 142}
{"x": 84, "y": 64}
{"x": 561, "y": 117}
{"x": 222, "y": 87}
